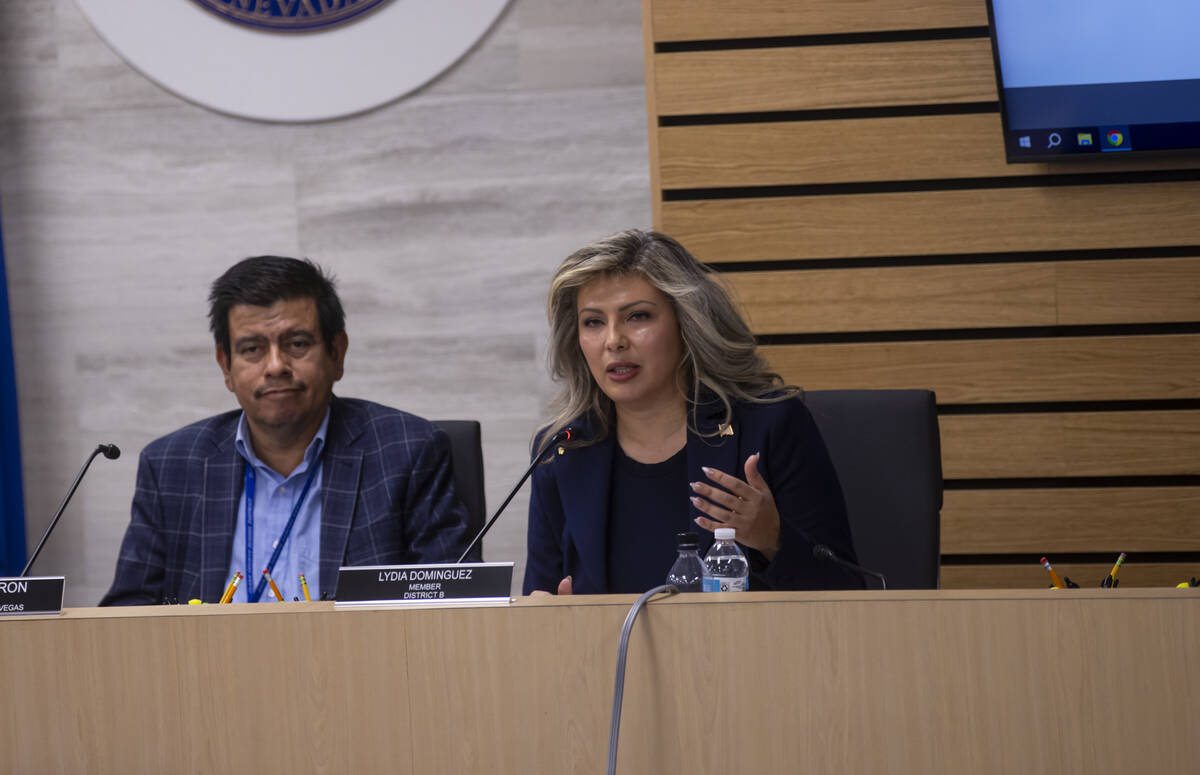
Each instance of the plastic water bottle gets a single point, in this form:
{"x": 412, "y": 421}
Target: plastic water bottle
{"x": 687, "y": 574}
{"x": 725, "y": 567}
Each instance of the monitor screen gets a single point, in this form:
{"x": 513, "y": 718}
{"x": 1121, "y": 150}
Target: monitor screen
{"x": 1103, "y": 77}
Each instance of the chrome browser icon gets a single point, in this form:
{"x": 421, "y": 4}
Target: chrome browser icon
{"x": 1114, "y": 138}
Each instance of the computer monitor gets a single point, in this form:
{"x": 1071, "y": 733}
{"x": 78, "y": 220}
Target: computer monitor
{"x": 1089, "y": 80}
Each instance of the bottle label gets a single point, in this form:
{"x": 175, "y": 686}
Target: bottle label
{"x": 724, "y": 584}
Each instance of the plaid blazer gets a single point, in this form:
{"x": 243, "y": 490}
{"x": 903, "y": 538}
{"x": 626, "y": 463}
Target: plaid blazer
{"x": 387, "y": 497}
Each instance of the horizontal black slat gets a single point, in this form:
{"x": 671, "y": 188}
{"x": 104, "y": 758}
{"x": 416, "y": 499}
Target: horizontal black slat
{"x": 828, "y": 114}
{"x": 1073, "y": 482}
{"x": 829, "y": 39}
{"x": 1068, "y": 407}
{"x": 951, "y": 259}
{"x": 959, "y": 334}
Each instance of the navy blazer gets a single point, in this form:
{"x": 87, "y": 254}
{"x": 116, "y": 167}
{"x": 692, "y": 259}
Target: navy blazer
{"x": 387, "y": 497}
{"x": 568, "y": 509}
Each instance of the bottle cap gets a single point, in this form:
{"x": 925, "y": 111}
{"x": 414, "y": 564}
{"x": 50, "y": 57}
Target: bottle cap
{"x": 687, "y": 541}
{"x": 724, "y": 533}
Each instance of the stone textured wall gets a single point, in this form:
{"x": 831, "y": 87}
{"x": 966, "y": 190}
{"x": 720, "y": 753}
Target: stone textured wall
{"x": 443, "y": 216}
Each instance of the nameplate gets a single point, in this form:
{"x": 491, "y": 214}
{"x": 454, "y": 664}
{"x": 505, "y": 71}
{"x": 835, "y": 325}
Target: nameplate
{"x": 32, "y": 596}
{"x": 471, "y": 583}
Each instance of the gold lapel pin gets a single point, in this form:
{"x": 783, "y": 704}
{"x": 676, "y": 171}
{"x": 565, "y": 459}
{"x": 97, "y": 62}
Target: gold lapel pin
{"x": 561, "y": 450}
{"x": 726, "y": 429}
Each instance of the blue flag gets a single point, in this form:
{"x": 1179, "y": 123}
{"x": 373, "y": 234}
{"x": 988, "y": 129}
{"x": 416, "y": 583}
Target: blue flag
{"x": 12, "y": 502}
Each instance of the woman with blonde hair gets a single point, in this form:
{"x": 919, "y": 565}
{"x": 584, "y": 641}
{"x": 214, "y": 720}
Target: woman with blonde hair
{"x": 669, "y": 401}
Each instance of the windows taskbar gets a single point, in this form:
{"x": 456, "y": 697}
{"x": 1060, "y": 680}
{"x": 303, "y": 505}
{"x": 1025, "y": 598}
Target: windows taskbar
{"x": 1052, "y": 142}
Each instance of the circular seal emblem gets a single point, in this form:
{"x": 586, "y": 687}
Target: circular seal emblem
{"x": 250, "y": 58}
{"x": 289, "y": 15}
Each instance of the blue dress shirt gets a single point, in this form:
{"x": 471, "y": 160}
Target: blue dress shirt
{"x": 274, "y": 498}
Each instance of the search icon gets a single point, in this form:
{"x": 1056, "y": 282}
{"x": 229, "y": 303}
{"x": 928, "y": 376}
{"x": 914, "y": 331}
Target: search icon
{"x": 1055, "y": 139}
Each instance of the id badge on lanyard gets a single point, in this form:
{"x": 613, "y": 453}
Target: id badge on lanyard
{"x": 249, "y": 485}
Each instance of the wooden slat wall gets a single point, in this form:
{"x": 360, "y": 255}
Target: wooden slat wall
{"x": 971, "y": 296}
{"x": 680, "y": 20}
{"x": 843, "y": 165}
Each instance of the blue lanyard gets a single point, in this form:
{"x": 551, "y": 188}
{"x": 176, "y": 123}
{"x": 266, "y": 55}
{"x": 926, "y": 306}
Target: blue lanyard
{"x": 287, "y": 531}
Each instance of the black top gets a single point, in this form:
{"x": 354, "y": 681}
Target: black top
{"x": 569, "y": 503}
{"x": 648, "y": 505}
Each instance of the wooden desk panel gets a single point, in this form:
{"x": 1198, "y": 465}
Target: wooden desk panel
{"x": 859, "y": 682}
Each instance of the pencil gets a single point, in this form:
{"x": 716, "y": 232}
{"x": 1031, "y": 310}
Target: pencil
{"x": 1111, "y": 581}
{"x": 233, "y": 585}
{"x": 1054, "y": 579}
{"x": 304, "y": 587}
{"x": 271, "y": 584}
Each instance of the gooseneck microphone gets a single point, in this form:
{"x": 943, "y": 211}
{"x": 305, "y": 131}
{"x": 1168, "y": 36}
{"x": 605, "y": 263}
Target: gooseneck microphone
{"x": 110, "y": 451}
{"x": 561, "y": 436}
{"x": 823, "y": 552}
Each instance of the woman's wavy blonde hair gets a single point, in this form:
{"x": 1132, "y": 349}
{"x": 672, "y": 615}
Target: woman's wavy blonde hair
{"x": 719, "y": 359}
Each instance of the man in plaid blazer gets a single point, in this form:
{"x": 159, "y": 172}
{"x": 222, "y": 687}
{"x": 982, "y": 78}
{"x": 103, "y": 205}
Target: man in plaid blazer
{"x": 378, "y": 484}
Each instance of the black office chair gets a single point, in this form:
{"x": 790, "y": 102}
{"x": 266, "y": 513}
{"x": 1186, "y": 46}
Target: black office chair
{"x": 887, "y": 451}
{"x": 466, "y": 453}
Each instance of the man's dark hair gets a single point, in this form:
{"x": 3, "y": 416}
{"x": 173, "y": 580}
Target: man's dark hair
{"x": 264, "y": 280}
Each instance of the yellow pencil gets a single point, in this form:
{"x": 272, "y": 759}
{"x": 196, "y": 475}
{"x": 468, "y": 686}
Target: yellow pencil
{"x": 233, "y": 585}
{"x": 271, "y": 584}
{"x": 304, "y": 587}
{"x": 1054, "y": 579}
{"x": 1112, "y": 574}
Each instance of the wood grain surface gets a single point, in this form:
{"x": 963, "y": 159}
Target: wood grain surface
{"x": 718, "y": 19}
{"x": 781, "y": 153}
{"x": 938, "y": 222}
{"x": 1157, "y": 443}
{"x": 903, "y": 681}
{"x": 1101, "y": 368}
{"x": 820, "y": 77}
{"x": 1084, "y": 519}
{"x": 1133, "y": 574}
{"x": 970, "y": 296}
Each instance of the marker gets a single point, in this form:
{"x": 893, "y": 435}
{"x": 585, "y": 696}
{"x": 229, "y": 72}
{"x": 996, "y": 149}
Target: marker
{"x": 271, "y": 584}
{"x": 233, "y": 585}
{"x": 1111, "y": 579}
{"x": 304, "y": 587}
{"x": 1054, "y": 579}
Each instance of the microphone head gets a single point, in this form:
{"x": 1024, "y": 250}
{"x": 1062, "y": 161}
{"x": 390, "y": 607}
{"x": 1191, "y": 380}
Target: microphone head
{"x": 111, "y": 451}
{"x": 823, "y": 552}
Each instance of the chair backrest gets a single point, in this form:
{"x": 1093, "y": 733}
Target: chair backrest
{"x": 887, "y": 451}
{"x": 466, "y": 453}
